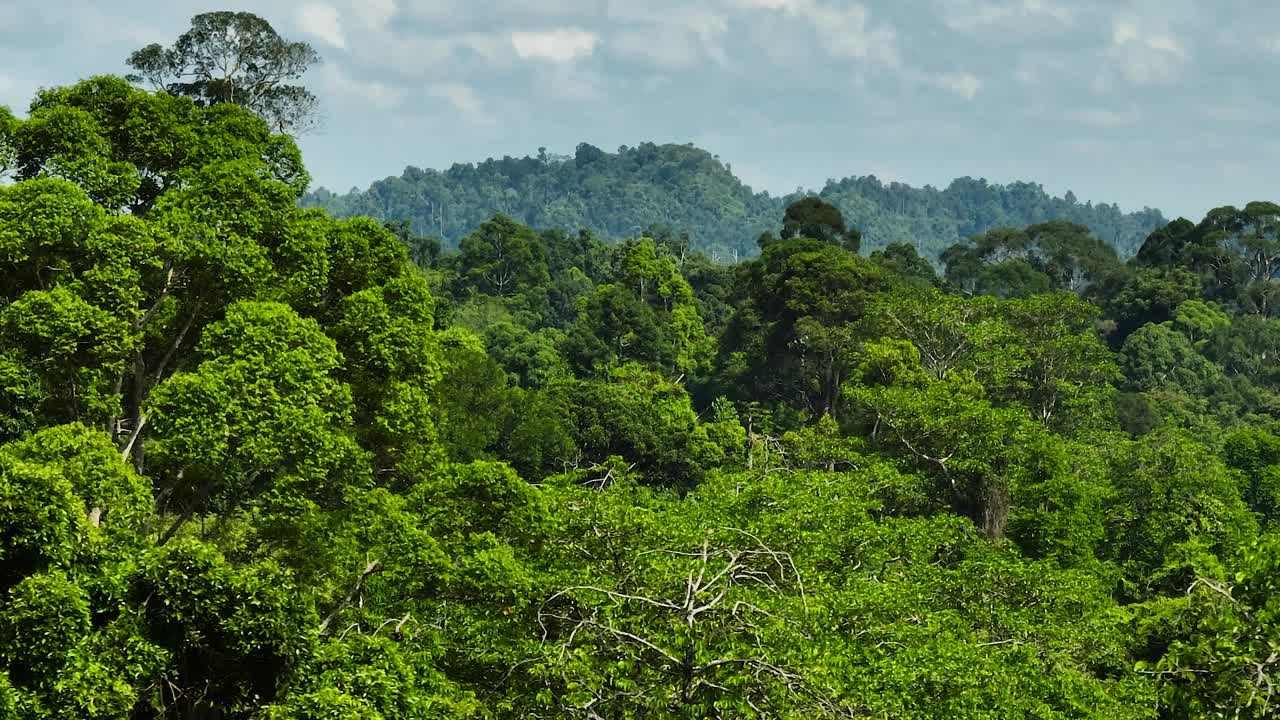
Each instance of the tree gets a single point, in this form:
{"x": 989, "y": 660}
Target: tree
{"x": 1174, "y": 503}
{"x": 811, "y": 217}
{"x": 503, "y": 258}
{"x": 637, "y": 414}
{"x": 236, "y": 58}
{"x": 424, "y": 251}
{"x": 645, "y": 312}
{"x": 1041, "y": 353}
{"x": 1138, "y": 296}
{"x": 1235, "y": 252}
{"x": 945, "y": 428}
{"x": 689, "y": 642}
{"x": 790, "y": 339}
{"x": 1255, "y": 456}
{"x": 126, "y": 148}
{"x": 902, "y": 260}
{"x": 260, "y": 412}
{"x": 1159, "y": 357}
{"x": 1224, "y": 664}
{"x": 1066, "y": 373}
{"x": 8, "y": 154}
{"x": 1010, "y": 262}
{"x": 614, "y": 327}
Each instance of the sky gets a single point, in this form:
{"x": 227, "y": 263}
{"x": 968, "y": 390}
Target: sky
{"x": 1169, "y": 104}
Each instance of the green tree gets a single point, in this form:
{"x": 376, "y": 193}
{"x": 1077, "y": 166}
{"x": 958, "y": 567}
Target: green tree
{"x": 811, "y": 217}
{"x": 262, "y": 414}
{"x": 503, "y": 258}
{"x": 903, "y": 260}
{"x": 125, "y": 147}
{"x": 1010, "y": 262}
{"x": 1067, "y": 375}
{"x": 789, "y": 341}
{"x": 236, "y": 58}
{"x": 1175, "y": 502}
{"x": 1255, "y": 456}
{"x": 1224, "y": 664}
{"x": 945, "y": 428}
{"x": 645, "y": 313}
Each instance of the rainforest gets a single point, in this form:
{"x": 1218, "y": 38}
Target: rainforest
{"x": 259, "y": 462}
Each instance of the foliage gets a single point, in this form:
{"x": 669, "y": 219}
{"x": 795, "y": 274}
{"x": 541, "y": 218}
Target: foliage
{"x": 686, "y": 189}
{"x": 257, "y": 463}
{"x": 233, "y": 58}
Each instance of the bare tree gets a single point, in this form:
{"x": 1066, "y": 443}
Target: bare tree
{"x": 699, "y": 644}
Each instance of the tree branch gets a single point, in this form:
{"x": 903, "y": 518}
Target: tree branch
{"x": 371, "y": 567}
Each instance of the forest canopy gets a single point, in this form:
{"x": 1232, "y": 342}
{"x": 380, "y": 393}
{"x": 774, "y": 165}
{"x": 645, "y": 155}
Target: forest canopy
{"x": 260, "y": 463}
{"x": 686, "y": 190}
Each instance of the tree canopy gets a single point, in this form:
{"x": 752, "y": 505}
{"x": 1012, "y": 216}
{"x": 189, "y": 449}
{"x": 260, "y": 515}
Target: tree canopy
{"x": 235, "y": 58}
{"x": 686, "y": 189}
{"x": 260, "y": 463}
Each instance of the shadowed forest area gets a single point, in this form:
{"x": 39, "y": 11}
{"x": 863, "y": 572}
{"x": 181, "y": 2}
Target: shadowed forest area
{"x": 261, "y": 463}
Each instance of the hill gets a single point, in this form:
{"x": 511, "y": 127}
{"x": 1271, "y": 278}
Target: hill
{"x": 685, "y": 188}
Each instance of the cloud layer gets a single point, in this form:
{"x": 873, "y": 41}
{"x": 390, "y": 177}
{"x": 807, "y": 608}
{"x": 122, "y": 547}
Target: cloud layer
{"x": 1141, "y": 102}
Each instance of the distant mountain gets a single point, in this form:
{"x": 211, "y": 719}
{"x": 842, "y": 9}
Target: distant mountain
{"x": 685, "y": 188}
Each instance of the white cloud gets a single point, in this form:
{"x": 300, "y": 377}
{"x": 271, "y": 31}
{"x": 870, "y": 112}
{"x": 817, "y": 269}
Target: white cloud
{"x": 1123, "y": 31}
{"x": 465, "y": 100}
{"x": 709, "y": 27}
{"x": 964, "y": 84}
{"x": 959, "y": 82}
{"x": 491, "y": 47}
{"x": 428, "y": 57}
{"x": 1086, "y": 147}
{"x": 379, "y": 95}
{"x": 845, "y": 31}
{"x": 655, "y": 83}
{"x": 1104, "y": 119}
{"x": 1166, "y": 43}
{"x": 571, "y": 82}
{"x": 792, "y": 7}
{"x": 1236, "y": 113}
{"x": 452, "y": 15}
{"x": 321, "y": 21}
{"x": 971, "y": 15}
{"x": 96, "y": 27}
{"x": 848, "y": 33}
{"x": 1044, "y": 7}
{"x": 1143, "y": 58}
{"x": 657, "y": 45}
{"x": 375, "y": 14}
{"x": 558, "y": 45}
{"x": 681, "y": 40}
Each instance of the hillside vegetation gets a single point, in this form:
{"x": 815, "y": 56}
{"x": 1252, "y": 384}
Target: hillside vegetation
{"x": 685, "y": 189}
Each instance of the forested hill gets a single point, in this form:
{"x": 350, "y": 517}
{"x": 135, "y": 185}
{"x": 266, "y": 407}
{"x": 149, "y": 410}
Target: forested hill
{"x": 685, "y": 188}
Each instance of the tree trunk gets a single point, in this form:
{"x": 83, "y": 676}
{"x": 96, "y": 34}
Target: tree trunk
{"x": 993, "y": 507}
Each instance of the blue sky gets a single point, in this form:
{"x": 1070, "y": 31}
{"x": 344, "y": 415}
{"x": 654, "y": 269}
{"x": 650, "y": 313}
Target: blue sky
{"x": 1162, "y": 103}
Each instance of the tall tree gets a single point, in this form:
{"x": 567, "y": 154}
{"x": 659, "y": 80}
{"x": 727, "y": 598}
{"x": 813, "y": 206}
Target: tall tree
{"x": 503, "y": 258}
{"x": 1009, "y": 262}
{"x": 812, "y": 217}
{"x": 237, "y": 58}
